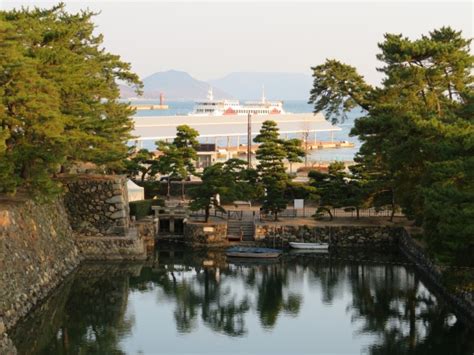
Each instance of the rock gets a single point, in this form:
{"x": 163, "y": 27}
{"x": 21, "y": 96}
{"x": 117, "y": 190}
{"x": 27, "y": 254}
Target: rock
{"x": 118, "y": 214}
{"x": 115, "y": 199}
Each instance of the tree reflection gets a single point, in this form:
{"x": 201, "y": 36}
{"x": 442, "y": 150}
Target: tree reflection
{"x": 388, "y": 302}
{"x": 270, "y": 300}
{"x": 200, "y": 291}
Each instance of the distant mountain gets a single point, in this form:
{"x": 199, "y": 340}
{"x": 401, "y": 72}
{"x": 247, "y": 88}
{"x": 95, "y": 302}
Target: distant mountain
{"x": 175, "y": 85}
{"x": 179, "y": 85}
{"x": 278, "y": 86}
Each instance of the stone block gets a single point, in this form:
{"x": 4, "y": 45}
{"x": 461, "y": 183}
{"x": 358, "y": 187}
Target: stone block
{"x": 115, "y": 199}
{"x": 118, "y": 214}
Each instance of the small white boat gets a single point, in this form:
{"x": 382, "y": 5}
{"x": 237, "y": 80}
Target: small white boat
{"x": 251, "y": 252}
{"x": 312, "y": 246}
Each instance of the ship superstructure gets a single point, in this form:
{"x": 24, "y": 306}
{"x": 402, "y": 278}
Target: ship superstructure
{"x": 211, "y": 107}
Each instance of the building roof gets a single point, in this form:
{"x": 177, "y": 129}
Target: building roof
{"x": 164, "y": 127}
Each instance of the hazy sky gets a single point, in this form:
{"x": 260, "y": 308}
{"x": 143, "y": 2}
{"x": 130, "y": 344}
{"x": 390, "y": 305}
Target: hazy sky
{"x": 211, "y": 39}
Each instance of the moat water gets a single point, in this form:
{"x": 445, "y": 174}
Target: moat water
{"x": 186, "y": 302}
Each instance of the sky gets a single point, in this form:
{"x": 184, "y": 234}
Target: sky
{"x": 211, "y": 39}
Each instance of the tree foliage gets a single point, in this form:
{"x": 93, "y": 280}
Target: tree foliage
{"x": 231, "y": 180}
{"x": 179, "y": 157}
{"x": 271, "y": 153}
{"x": 339, "y": 188}
{"x": 58, "y": 97}
{"x": 142, "y": 165}
{"x": 418, "y": 129}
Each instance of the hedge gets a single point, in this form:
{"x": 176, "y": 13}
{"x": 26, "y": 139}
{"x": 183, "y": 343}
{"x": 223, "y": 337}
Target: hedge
{"x": 142, "y": 208}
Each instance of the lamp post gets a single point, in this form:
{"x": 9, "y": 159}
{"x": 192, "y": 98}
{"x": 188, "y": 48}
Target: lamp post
{"x": 249, "y": 140}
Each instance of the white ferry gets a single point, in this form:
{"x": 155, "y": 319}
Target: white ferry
{"x": 211, "y": 107}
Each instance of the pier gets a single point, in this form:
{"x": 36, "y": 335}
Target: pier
{"x": 309, "y": 145}
{"x": 149, "y": 107}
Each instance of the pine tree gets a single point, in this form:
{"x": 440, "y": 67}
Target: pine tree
{"x": 270, "y": 155}
{"x": 417, "y": 126}
{"x": 230, "y": 180}
{"x": 141, "y": 164}
{"x": 180, "y": 156}
{"x": 59, "y": 97}
{"x": 294, "y": 151}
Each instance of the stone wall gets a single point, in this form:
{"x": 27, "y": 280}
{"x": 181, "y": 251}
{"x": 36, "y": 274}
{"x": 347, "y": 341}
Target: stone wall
{"x": 37, "y": 252}
{"x": 463, "y": 300}
{"x": 147, "y": 229}
{"x": 336, "y": 236}
{"x": 199, "y": 233}
{"x": 380, "y": 237}
{"x": 111, "y": 248}
{"x": 97, "y": 205}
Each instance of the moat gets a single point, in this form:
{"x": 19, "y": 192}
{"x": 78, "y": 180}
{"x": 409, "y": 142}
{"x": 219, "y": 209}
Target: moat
{"x": 200, "y": 302}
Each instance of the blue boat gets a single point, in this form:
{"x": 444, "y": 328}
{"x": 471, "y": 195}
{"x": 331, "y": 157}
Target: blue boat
{"x": 251, "y": 252}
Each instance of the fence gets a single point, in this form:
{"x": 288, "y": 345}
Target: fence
{"x": 296, "y": 213}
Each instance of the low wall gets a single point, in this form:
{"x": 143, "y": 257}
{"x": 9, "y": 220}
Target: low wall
{"x": 336, "y": 236}
{"x": 37, "y": 252}
{"x": 199, "y": 233}
{"x": 97, "y": 205}
{"x": 111, "y": 248}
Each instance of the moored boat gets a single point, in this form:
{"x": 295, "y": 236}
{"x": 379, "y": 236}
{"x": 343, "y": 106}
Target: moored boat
{"x": 312, "y": 246}
{"x": 251, "y": 252}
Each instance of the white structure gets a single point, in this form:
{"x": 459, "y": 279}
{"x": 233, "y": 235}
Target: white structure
{"x": 211, "y": 107}
{"x": 135, "y": 192}
{"x": 153, "y": 128}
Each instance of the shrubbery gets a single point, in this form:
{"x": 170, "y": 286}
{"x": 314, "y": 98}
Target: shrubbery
{"x": 141, "y": 209}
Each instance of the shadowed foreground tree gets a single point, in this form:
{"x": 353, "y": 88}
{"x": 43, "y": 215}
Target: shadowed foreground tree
{"x": 417, "y": 130}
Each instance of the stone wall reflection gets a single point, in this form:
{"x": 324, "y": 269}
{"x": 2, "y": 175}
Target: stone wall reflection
{"x": 88, "y": 315}
{"x": 85, "y": 316}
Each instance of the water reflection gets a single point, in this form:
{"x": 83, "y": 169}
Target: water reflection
{"x": 352, "y": 306}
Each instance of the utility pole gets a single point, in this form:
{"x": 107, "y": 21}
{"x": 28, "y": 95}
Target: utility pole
{"x": 249, "y": 140}
{"x": 306, "y": 134}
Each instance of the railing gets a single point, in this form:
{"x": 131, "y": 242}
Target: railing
{"x": 336, "y": 212}
{"x": 235, "y": 214}
{"x": 296, "y": 213}
{"x": 213, "y": 212}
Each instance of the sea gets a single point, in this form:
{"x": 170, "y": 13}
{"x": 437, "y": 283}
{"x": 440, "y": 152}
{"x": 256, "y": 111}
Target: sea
{"x": 291, "y": 106}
